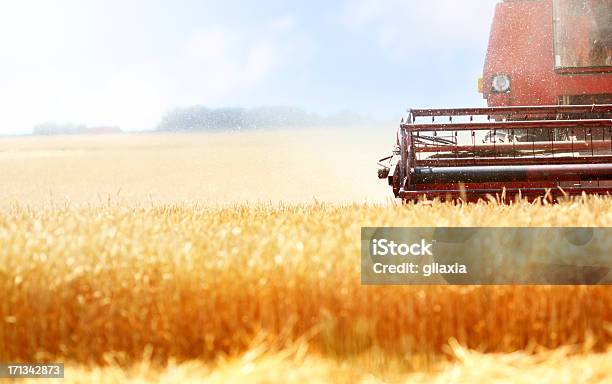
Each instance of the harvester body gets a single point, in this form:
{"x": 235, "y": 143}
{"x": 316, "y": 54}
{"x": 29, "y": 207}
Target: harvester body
{"x": 547, "y": 130}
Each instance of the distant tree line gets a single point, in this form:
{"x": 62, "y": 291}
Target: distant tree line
{"x": 200, "y": 118}
{"x": 58, "y": 129}
{"x": 71, "y": 129}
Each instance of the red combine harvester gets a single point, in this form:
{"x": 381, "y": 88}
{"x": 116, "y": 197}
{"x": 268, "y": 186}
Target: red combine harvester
{"x": 547, "y": 130}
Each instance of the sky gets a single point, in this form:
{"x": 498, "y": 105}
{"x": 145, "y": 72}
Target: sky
{"x": 126, "y": 63}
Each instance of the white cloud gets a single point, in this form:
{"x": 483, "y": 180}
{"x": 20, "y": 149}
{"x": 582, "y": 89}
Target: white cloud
{"x": 284, "y": 24}
{"x": 225, "y": 61}
{"x": 132, "y": 97}
{"x": 402, "y": 28}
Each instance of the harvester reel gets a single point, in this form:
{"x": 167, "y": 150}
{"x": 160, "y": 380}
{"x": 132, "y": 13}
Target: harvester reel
{"x": 542, "y": 153}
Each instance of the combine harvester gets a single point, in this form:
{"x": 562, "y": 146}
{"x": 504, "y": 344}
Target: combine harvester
{"x": 547, "y": 130}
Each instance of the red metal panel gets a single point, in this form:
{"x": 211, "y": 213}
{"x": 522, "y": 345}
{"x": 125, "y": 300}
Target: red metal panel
{"x": 521, "y": 46}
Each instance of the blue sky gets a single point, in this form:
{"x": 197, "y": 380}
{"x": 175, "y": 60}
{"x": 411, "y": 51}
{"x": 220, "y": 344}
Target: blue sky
{"x": 110, "y": 62}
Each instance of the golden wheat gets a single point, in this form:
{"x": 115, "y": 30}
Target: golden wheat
{"x": 192, "y": 282}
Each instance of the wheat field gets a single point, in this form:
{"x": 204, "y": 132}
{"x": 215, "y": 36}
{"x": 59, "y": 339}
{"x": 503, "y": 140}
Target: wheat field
{"x": 235, "y": 258}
